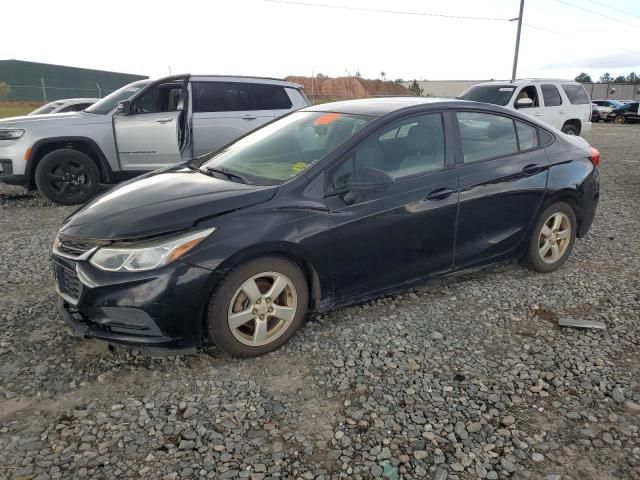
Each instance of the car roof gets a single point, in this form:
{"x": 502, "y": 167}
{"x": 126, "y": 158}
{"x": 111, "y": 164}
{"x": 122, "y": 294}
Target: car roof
{"x": 79, "y": 100}
{"x": 246, "y": 79}
{"x": 526, "y": 81}
{"x": 380, "y": 106}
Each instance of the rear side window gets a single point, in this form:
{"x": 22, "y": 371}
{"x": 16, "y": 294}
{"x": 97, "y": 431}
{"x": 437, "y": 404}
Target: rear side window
{"x": 527, "y": 136}
{"x": 486, "y": 136}
{"x": 237, "y": 97}
{"x": 576, "y": 93}
{"x": 551, "y": 96}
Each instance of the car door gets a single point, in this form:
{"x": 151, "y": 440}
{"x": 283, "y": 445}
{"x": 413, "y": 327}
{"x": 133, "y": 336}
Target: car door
{"x": 554, "y": 108}
{"x": 406, "y": 231}
{"x": 224, "y": 111}
{"x": 502, "y": 173}
{"x": 149, "y": 135}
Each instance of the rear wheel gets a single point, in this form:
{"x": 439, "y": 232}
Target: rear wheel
{"x": 258, "y": 307}
{"x": 570, "y": 129}
{"x": 620, "y": 119}
{"x": 552, "y": 239}
{"x": 67, "y": 177}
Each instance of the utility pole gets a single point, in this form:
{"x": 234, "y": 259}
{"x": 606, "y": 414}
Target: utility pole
{"x": 515, "y": 54}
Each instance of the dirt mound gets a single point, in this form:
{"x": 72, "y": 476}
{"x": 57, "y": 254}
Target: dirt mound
{"x": 349, "y": 87}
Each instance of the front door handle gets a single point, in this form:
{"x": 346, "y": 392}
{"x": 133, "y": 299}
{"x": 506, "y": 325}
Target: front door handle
{"x": 440, "y": 193}
{"x": 538, "y": 114}
{"x": 164, "y": 120}
{"x": 563, "y": 111}
{"x": 532, "y": 169}
{"x": 248, "y": 117}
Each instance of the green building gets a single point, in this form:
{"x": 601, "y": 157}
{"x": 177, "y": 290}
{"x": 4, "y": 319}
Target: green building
{"x": 40, "y": 82}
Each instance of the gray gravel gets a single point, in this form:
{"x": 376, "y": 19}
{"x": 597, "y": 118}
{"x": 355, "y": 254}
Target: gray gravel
{"x": 467, "y": 377}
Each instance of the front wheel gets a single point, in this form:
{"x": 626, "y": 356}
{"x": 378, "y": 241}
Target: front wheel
{"x": 552, "y": 239}
{"x": 258, "y": 306}
{"x": 619, "y": 119}
{"x": 67, "y": 177}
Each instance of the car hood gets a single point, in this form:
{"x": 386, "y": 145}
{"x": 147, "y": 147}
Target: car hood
{"x": 161, "y": 202}
{"x": 56, "y": 118}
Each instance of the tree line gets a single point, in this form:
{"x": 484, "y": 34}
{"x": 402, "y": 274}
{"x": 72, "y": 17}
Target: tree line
{"x": 632, "y": 78}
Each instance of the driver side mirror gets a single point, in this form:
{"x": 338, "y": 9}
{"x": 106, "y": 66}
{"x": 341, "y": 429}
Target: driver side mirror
{"x": 124, "y": 107}
{"x": 367, "y": 182}
{"x": 524, "y": 103}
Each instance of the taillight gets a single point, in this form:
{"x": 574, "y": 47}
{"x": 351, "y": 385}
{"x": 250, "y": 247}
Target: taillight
{"x": 595, "y": 157}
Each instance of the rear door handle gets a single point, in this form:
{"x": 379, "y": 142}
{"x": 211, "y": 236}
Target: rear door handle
{"x": 538, "y": 114}
{"x": 248, "y": 117}
{"x": 440, "y": 193}
{"x": 164, "y": 120}
{"x": 563, "y": 111}
{"x": 532, "y": 169}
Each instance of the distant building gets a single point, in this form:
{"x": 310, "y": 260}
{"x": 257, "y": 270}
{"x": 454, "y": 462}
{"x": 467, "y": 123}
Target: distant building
{"x": 32, "y": 81}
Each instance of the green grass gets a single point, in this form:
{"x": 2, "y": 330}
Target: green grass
{"x": 15, "y": 109}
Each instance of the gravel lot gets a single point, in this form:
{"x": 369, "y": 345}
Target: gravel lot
{"x": 467, "y": 377}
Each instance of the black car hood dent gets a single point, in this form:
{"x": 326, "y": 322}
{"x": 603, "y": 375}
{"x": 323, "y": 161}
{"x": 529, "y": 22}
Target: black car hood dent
{"x": 162, "y": 202}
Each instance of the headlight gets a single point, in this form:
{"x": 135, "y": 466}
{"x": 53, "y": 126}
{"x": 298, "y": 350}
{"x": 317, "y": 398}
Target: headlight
{"x": 11, "y": 133}
{"x": 147, "y": 255}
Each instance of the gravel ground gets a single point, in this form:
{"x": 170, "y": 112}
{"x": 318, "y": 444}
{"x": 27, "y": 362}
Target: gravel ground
{"x": 467, "y": 377}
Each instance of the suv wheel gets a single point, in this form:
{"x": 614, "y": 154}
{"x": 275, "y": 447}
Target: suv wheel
{"x": 570, "y": 129}
{"x": 619, "y": 119}
{"x": 552, "y": 238}
{"x": 67, "y": 177}
{"x": 258, "y": 307}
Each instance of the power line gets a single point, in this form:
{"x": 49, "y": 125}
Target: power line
{"x": 379, "y": 10}
{"x": 614, "y": 8}
{"x": 593, "y": 12}
{"x": 535, "y": 27}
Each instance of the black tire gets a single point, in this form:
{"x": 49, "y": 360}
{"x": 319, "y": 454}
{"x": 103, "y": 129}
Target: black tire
{"x": 534, "y": 258}
{"x": 570, "y": 129}
{"x": 619, "y": 119}
{"x": 218, "y": 327}
{"x": 67, "y": 177}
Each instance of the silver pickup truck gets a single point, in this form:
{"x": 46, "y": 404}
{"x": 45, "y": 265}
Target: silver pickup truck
{"x": 141, "y": 127}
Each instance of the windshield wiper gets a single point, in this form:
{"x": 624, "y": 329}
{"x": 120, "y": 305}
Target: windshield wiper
{"x": 230, "y": 175}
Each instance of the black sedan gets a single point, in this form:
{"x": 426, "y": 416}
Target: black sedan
{"x": 328, "y": 206}
{"x": 627, "y": 113}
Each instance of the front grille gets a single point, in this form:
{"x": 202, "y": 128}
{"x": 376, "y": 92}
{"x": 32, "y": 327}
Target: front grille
{"x": 68, "y": 281}
{"x": 74, "y": 248}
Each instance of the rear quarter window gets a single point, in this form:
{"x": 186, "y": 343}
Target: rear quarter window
{"x": 576, "y": 94}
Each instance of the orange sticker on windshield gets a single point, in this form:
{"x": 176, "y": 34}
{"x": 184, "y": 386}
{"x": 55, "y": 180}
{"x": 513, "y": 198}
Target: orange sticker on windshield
{"x": 327, "y": 118}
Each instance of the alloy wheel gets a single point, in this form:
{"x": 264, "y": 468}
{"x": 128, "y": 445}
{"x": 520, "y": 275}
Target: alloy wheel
{"x": 262, "y": 309}
{"x": 555, "y": 237}
{"x": 619, "y": 119}
{"x": 69, "y": 178}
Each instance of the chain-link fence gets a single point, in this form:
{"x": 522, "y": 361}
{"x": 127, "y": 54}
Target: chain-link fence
{"x": 46, "y": 93}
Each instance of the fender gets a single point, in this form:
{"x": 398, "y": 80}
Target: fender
{"x": 106, "y": 173}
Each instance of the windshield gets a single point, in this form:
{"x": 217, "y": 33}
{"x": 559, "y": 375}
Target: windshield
{"x": 48, "y": 108}
{"x": 495, "y": 94}
{"x": 616, "y": 104}
{"x": 285, "y": 148}
{"x": 108, "y": 103}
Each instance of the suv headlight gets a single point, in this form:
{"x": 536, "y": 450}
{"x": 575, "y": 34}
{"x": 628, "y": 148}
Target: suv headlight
{"x": 148, "y": 255}
{"x": 11, "y": 133}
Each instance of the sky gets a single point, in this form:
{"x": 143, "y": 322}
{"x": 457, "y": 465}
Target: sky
{"x": 560, "y": 38}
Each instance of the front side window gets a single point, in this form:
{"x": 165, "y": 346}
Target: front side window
{"x": 485, "y": 136}
{"x": 530, "y": 92}
{"x": 551, "y": 96}
{"x": 576, "y": 94}
{"x": 495, "y": 94}
{"x": 285, "y": 148}
{"x": 407, "y": 147}
{"x": 159, "y": 98}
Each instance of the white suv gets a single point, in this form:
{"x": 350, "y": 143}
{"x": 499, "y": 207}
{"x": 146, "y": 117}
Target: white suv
{"x": 563, "y": 104}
